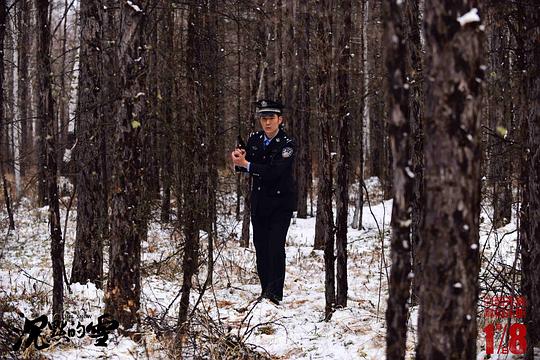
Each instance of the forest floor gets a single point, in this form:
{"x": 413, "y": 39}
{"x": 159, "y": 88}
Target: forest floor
{"x": 295, "y": 329}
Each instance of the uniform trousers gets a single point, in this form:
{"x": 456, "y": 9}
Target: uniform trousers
{"x": 269, "y": 234}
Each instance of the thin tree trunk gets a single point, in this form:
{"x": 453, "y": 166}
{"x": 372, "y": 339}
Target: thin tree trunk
{"x": 22, "y": 87}
{"x": 47, "y": 119}
{"x": 63, "y": 98}
{"x": 343, "y": 166}
{"x": 528, "y": 55}
{"x": 302, "y": 108}
{"x": 500, "y": 107}
{"x": 16, "y": 113}
{"x": 194, "y": 180}
{"x": 211, "y": 106}
{"x": 7, "y": 199}
{"x": 416, "y": 84}
{"x": 359, "y": 82}
{"x": 167, "y": 82}
{"x": 324, "y": 229}
{"x": 41, "y": 51}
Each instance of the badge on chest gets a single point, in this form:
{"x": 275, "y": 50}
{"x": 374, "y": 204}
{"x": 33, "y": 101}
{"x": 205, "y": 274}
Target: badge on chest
{"x": 287, "y": 152}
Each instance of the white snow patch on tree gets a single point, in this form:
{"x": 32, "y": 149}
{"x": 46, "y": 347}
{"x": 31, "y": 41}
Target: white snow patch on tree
{"x": 470, "y": 17}
{"x": 134, "y": 6}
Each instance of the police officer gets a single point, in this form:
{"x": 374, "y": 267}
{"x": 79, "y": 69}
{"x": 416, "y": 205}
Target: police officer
{"x": 269, "y": 157}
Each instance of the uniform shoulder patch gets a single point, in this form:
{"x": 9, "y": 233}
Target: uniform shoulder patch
{"x": 287, "y": 152}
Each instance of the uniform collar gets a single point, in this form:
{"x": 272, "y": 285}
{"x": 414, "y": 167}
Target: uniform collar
{"x": 277, "y": 138}
{"x": 267, "y": 138}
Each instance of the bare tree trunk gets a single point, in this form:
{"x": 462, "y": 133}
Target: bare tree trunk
{"x": 211, "y": 105}
{"x": 528, "y": 38}
{"x": 399, "y": 129}
{"x": 91, "y": 201}
{"x": 274, "y": 81}
{"x": 302, "y": 108}
{"x": 42, "y": 180}
{"x": 167, "y": 89}
{"x": 256, "y": 91}
{"x": 9, "y": 85}
{"x": 374, "y": 102}
{"x": 358, "y": 77}
{"x": 151, "y": 154}
{"x": 47, "y": 119}
{"x": 449, "y": 235}
{"x": 343, "y": 166}
{"x": 324, "y": 229}
{"x": 3, "y": 13}
{"x": 63, "y": 98}
{"x": 16, "y": 124}
{"x": 22, "y": 96}
{"x": 324, "y": 222}
{"x": 7, "y": 197}
{"x": 194, "y": 182}
{"x": 128, "y": 226}
{"x": 500, "y": 109}
{"x": 416, "y": 85}
{"x": 110, "y": 99}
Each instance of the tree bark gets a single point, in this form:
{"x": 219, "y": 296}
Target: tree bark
{"x": 500, "y": 115}
{"x": 128, "y": 226}
{"x": 324, "y": 229}
{"x": 49, "y": 157}
{"x": 91, "y": 201}
{"x": 528, "y": 37}
{"x": 416, "y": 103}
{"x": 7, "y": 199}
{"x": 167, "y": 89}
{"x": 195, "y": 182}
{"x": 22, "y": 96}
{"x": 358, "y": 83}
{"x": 399, "y": 129}
{"x": 343, "y": 166}
{"x": 16, "y": 124}
{"x": 449, "y": 234}
{"x": 302, "y": 108}
{"x": 274, "y": 80}
{"x": 42, "y": 50}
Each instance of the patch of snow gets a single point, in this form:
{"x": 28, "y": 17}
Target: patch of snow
{"x": 469, "y": 17}
{"x": 134, "y": 6}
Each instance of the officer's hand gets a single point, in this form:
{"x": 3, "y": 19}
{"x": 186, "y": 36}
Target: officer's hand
{"x": 237, "y": 153}
{"x": 240, "y": 151}
{"x": 238, "y": 157}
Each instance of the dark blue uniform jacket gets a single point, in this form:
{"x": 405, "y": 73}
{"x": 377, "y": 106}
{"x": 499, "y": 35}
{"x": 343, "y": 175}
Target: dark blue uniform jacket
{"x": 273, "y": 187}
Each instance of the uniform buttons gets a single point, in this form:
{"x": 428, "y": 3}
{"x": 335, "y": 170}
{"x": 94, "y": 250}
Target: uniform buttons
{"x": 264, "y": 157}
{"x": 278, "y": 191}
{"x": 259, "y": 188}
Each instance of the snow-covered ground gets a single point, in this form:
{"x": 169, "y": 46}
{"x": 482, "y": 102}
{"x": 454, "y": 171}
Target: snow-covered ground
{"x": 295, "y": 329}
